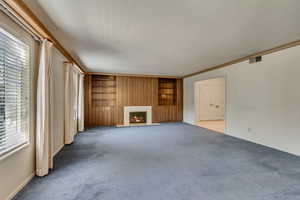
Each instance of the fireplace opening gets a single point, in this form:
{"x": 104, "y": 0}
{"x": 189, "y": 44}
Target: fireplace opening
{"x": 138, "y": 117}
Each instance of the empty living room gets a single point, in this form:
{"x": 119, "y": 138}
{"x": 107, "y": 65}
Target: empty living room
{"x": 149, "y": 100}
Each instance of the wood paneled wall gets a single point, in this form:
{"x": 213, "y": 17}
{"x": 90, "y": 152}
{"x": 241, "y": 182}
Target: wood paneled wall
{"x": 100, "y": 106}
{"x": 87, "y": 101}
{"x": 131, "y": 91}
{"x": 172, "y": 113}
{"x": 135, "y": 91}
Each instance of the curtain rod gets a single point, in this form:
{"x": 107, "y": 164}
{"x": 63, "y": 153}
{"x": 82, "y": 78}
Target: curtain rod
{"x": 20, "y": 21}
{"x": 27, "y": 19}
{"x": 14, "y": 16}
{"x": 75, "y": 66}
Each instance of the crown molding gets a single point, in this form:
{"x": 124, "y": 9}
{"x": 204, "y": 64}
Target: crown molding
{"x": 133, "y": 75}
{"x": 261, "y": 53}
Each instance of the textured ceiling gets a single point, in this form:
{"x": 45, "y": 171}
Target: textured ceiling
{"x": 167, "y": 37}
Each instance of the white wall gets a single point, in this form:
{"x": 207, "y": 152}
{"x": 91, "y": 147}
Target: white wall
{"x": 17, "y": 169}
{"x": 262, "y": 100}
{"x": 210, "y": 99}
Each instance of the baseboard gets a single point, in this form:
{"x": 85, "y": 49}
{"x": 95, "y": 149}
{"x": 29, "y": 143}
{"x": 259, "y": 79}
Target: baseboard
{"x": 254, "y": 142}
{"x": 264, "y": 144}
{"x": 208, "y": 120}
{"x": 184, "y": 122}
{"x": 27, "y": 180}
{"x": 20, "y": 187}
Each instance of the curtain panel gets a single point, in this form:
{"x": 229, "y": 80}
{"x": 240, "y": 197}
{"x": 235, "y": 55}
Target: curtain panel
{"x": 81, "y": 103}
{"x": 71, "y": 102}
{"x": 44, "y": 145}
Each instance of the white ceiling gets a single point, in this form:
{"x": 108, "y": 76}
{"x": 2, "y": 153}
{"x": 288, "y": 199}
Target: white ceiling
{"x": 167, "y": 37}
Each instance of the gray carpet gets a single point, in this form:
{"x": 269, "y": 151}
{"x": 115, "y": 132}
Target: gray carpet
{"x": 173, "y": 161}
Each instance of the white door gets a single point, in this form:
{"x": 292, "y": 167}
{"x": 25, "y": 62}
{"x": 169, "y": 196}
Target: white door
{"x": 211, "y": 99}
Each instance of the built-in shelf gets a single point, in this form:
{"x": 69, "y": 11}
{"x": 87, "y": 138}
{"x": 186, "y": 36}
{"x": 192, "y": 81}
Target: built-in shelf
{"x": 103, "y": 99}
{"x": 166, "y": 88}
{"x": 103, "y": 80}
{"x": 103, "y": 86}
{"x": 167, "y": 91}
{"x": 103, "y": 90}
{"x": 107, "y": 96}
{"x": 167, "y": 94}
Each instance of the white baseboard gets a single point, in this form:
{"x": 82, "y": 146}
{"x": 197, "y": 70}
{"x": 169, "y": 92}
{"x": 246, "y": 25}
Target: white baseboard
{"x": 188, "y": 123}
{"x": 20, "y": 187}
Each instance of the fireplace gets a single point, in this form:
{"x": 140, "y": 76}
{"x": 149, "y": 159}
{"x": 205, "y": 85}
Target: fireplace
{"x": 137, "y": 117}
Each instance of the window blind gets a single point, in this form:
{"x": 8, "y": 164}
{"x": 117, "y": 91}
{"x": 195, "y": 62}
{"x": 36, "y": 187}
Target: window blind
{"x": 14, "y": 92}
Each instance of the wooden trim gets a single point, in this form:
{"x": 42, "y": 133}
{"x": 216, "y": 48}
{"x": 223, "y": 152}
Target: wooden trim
{"x": 132, "y": 75}
{"x": 75, "y": 66}
{"x": 261, "y": 53}
{"x": 23, "y": 12}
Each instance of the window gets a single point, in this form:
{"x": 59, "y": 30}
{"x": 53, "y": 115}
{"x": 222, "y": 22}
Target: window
{"x": 14, "y": 92}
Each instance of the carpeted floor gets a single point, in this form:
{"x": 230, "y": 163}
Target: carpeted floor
{"x": 173, "y": 161}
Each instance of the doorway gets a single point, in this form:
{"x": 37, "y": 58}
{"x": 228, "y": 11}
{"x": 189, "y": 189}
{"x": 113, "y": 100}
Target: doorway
{"x": 210, "y": 104}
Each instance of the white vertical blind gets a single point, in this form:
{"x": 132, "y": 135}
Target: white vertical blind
{"x": 14, "y": 92}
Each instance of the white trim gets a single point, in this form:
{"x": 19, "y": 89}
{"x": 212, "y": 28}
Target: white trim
{"x": 226, "y": 101}
{"x": 20, "y": 187}
{"x": 14, "y": 150}
{"x": 128, "y": 109}
{"x": 251, "y": 141}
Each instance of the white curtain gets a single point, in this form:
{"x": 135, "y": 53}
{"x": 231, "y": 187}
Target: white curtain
{"x": 71, "y": 103}
{"x": 44, "y": 156}
{"x": 81, "y": 103}
{"x": 75, "y": 99}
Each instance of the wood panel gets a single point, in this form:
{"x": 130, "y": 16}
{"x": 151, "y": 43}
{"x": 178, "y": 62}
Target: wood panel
{"x": 100, "y": 97}
{"x": 102, "y": 116}
{"x": 167, "y": 91}
{"x": 87, "y": 100}
{"x": 172, "y": 113}
{"x": 135, "y": 91}
{"x": 131, "y": 91}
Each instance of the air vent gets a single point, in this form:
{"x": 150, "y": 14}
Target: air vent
{"x": 255, "y": 59}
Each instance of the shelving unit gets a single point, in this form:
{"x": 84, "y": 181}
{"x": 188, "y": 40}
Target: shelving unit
{"x": 167, "y": 91}
{"x": 103, "y": 90}
{"x": 106, "y": 96}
